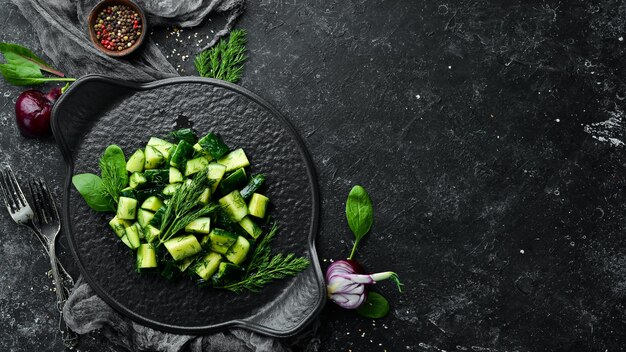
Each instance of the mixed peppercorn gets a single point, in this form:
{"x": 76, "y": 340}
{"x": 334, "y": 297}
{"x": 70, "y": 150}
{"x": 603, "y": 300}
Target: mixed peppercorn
{"x": 118, "y": 27}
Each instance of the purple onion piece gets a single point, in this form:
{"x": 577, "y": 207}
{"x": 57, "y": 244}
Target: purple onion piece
{"x": 346, "y": 283}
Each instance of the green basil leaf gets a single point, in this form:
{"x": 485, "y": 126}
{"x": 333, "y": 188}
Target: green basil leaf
{"x": 376, "y": 306}
{"x": 359, "y": 212}
{"x": 90, "y": 187}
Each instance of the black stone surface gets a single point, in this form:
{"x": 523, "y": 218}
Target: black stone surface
{"x": 489, "y": 135}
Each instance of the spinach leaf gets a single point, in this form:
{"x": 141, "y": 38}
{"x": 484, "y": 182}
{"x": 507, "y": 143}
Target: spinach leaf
{"x": 376, "y": 306}
{"x": 115, "y": 160}
{"x": 359, "y": 213}
{"x": 113, "y": 170}
{"x": 23, "y": 67}
{"x": 90, "y": 187}
{"x": 19, "y": 55}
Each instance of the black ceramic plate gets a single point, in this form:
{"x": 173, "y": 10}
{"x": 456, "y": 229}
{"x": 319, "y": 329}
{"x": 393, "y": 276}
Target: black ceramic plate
{"x": 97, "y": 111}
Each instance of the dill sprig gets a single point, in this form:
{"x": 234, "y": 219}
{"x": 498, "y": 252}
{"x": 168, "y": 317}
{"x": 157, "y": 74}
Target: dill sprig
{"x": 183, "y": 207}
{"x": 224, "y": 60}
{"x": 264, "y": 267}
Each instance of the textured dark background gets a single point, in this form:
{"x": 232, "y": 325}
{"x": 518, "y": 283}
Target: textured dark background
{"x": 489, "y": 135}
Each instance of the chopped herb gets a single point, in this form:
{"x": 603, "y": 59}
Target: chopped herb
{"x": 225, "y": 60}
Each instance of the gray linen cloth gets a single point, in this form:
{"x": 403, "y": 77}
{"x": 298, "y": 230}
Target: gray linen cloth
{"x": 61, "y": 28}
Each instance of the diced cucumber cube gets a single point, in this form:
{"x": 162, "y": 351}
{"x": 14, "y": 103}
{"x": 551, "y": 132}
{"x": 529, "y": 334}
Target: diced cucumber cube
{"x": 200, "y": 225}
{"x": 256, "y": 181}
{"x": 198, "y": 149}
{"x": 234, "y": 160}
{"x": 158, "y": 217}
{"x": 234, "y": 205}
{"x": 151, "y": 233}
{"x": 136, "y": 162}
{"x": 126, "y": 208}
{"x": 184, "y": 264}
{"x": 146, "y": 256}
{"x": 215, "y": 173}
{"x": 152, "y": 203}
{"x": 119, "y": 226}
{"x": 195, "y": 165}
{"x": 205, "y": 241}
{"x": 251, "y": 227}
{"x": 182, "y": 247}
{"x": 236, "y": 180}
{"x": 126, "y": 241}
{"x": 182, "y": 152}
{"x": 213, "y": 145}
{"x": 162, "y": 146}
{"x": 132, "y": 234}
{"x": 137, "y": 180}
{"x": 208, "y": 265}
{"x": 144, "y": 217}
{"x": 221, "y": 240}
{"x": 154, "y": 158}
{"x": 205, "y": 196}
{"x": 258, "y": 205}
{"x": 175, "y": 175}
{"x": 170, "y": 189}
{"x": 139, "y": 230}
{"x": 238, "y": 252}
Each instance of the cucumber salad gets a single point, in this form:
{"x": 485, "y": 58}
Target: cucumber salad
{"x": 190, "y": 207}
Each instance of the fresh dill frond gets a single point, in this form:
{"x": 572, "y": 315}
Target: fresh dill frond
{"x": 262, "y": 252}
{"x": 183, "y": 207}
{"x": 265, "y": 268}
{"x": 279, "y": 267}
{"x": 224, "y": 60}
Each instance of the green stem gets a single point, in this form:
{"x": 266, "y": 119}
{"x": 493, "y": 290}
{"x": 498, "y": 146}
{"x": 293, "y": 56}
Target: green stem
{"x": 57, "y": 79}
{"x": 356, "y": 243}
{"x": 388, "y": 275}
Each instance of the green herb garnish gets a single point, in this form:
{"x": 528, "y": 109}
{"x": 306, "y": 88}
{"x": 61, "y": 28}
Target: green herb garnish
{"x": 225, "y": 60}
{"x": 24, "y": 68}
{"x": 182, "y": 208}
{"x": 376, "y": 306}
{"x": 360, "y": 214}
{"x": 90, "y": 187}
{"x": 113, "y": 171}
{"x": 265, "y": 268}
{"x": 102, "y": 192}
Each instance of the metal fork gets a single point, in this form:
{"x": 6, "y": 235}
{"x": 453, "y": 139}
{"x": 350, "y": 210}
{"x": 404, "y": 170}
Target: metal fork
{"x": 50, "y": 225}
{"x": 21, "y": 212}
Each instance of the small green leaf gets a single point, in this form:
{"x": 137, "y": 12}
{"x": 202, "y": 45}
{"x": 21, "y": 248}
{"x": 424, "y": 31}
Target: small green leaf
{"x": 113, "y": 171}
{"x": 376, "y": 306}
{"x": 359, "y": 213}
{"x": 26, "y": 75}
{"x": 24, "y": 68}
{"x": 19, "y": 55}
{"x": 90, "y": 187}
{"x": 114, "y": 157}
